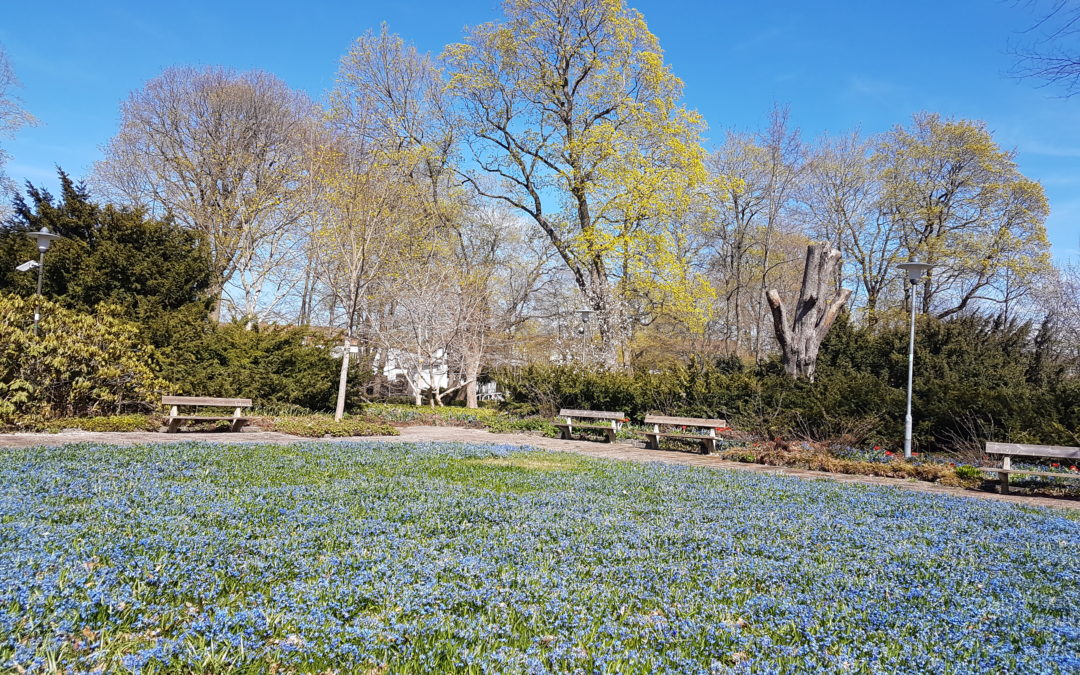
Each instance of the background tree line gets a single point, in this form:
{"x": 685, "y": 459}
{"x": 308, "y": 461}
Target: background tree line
{"x": 456, "y": 211}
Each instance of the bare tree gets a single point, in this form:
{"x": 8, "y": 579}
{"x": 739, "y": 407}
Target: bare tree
{"x": 12, "y": 118}
{"x": 370, "y": 224}
{"x": 841, "y": 197}
{"x": 754, "y": 225}
{"x": 1049, "y": 50}
{"x": 220, "y": 151}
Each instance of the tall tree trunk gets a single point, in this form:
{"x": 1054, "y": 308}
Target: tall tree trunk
{"x": 472, "y": 372}
{"x": 217, "y": 292}
{"x": 343, "y": 380}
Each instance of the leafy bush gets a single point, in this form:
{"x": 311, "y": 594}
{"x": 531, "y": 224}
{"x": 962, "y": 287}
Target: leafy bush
{"x": 157, "y": 274}
{"x": 967, "y": 472}
{"x": 80, "y": 365}
{"x": 317, "y": 426}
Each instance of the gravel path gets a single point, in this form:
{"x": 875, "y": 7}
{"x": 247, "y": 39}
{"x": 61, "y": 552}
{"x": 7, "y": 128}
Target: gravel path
{"x": 620, "y": 451}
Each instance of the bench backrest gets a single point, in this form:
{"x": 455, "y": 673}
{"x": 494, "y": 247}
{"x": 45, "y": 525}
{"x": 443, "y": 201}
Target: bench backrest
{"x": 1023, "y": 450}
{"x": 592, "y": 414}
{"x": 685, "y": 421}
{"x": 206, "y": 400}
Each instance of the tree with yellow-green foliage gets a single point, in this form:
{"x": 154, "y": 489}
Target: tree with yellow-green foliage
{"x": 571, "y": 116}
{"x": 956, "y": 200}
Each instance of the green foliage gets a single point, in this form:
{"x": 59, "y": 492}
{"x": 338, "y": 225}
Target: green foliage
{"x": 318, "y": 426}
{"x": 976, "y": 379}
{"x": 967, "y": 472}
{"x": 148, "y": 268}
{"x": 424, "y": 415}
{"x": 79, "y": 365}
{"x": 505, "y": 424}
{"x": 157, "y": 274}
{"x": 269, "y": 364}
{"x": 478, "y": 418}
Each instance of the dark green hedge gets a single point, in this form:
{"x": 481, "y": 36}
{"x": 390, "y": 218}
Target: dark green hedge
{"x": 976, "y": 379}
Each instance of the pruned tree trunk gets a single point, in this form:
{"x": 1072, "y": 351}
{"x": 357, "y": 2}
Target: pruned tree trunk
{"x": 800, "y": 336}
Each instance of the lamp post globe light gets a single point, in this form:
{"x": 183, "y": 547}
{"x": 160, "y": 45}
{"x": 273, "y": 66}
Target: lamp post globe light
{"x": 915, "y": 272}
{"x": 44, "y": 240}
{"x": 584, "y": 313}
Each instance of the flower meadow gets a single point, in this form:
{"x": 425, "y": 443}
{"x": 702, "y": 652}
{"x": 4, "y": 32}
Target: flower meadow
{"x": 432, "y": 558}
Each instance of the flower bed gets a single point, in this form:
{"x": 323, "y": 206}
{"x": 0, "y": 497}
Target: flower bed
{"x": 410, "y": 558}
{"x": 886, "y": 463}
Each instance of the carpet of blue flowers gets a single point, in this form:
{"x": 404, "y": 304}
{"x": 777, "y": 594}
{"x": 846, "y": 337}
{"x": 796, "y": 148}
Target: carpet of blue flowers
{"x": 431, "y": 558}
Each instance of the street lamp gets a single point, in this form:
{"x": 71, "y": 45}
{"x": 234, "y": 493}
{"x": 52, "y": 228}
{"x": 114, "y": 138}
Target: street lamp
{"x": 915, "y": 272}
{"x": 584, "y": 313}
{"x": 44, "y": 241}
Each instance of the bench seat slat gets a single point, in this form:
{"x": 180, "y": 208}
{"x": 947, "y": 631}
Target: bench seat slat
{"x": 605, "y": 427}
{"x": 188, "y": 418}
{"x": 691, "y": 437}
{"x": 685, "y": 421}
{"x": 592, "y": 414}
{"x": 1026, "y": 450}
{"x": 206, "y": 400}
{"x": 1021, "y": 472}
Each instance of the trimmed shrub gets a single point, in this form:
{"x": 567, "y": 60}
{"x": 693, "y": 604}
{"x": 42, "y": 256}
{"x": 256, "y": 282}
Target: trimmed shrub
{"x": 976, "y": 379}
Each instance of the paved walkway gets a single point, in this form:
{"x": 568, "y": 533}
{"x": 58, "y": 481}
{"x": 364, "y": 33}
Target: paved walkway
{"x": 620, "y": 451}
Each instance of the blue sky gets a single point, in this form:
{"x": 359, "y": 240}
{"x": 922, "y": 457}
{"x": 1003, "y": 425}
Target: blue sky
{"x": 865, "y": 64}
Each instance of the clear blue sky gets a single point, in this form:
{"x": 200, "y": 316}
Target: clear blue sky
{"x": 865, "y": 64}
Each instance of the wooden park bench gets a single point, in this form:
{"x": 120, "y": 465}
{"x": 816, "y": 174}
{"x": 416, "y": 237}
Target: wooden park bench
{"x": 705, "y": 434}
{"x": 566, "y": 429}
{"x": 1009, "y": 450}
{"x": 175, "y": 418}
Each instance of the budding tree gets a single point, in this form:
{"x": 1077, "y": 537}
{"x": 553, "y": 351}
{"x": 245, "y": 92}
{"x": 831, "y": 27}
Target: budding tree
{"x": 958, "y": 201}
{"x": 573, "y": 119}
{"x": 220, "y": 151}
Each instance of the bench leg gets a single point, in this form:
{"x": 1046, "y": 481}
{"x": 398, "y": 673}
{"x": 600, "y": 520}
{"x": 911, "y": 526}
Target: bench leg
{"x": 708, "y": 446}
{"x": 610, "y": 435}
{"x": 1003, "y": 481}
{"x": 237, "y": 425}
{"x": 652, "y": 442}
{"x": 172, "y": 426}
{"x": 564, "y": 433}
